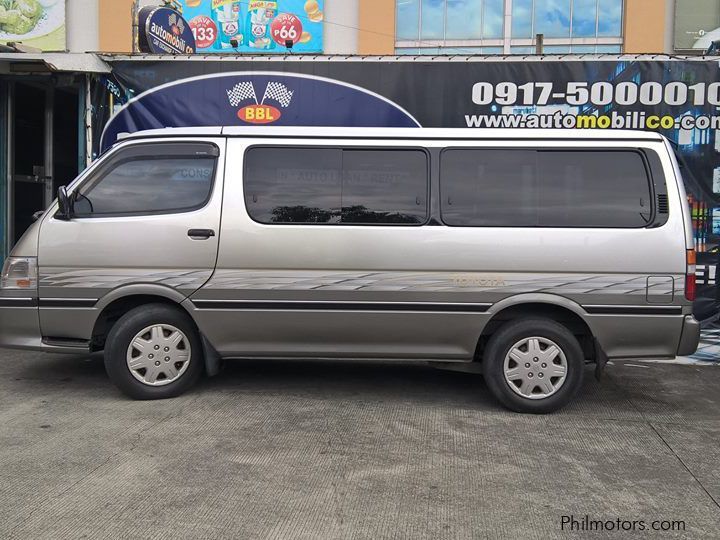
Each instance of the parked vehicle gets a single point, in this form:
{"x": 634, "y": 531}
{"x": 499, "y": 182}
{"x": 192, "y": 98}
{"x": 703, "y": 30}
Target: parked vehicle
{"x": 533, "y": 253}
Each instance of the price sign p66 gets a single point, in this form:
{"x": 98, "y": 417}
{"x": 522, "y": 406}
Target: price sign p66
{"x": 286, "y": 27}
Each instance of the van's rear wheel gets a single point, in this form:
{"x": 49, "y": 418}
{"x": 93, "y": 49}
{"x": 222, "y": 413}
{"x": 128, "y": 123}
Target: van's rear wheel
{"x": 153, "y": 352}
{"x": 533, "y": 365}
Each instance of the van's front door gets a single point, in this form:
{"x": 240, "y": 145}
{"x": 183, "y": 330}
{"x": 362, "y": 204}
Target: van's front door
{"x": 146, "y": 220}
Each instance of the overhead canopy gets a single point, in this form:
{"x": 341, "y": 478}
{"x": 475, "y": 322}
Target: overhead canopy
{"x": 52, "y": 63}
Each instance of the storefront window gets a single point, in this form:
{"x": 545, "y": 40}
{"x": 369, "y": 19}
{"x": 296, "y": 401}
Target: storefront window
{"x": 407, "y": 25}
{"x": 597, "y": 22}
{"x": 522, "y": 11}
{"x": 552, "y": 18}
{"x": 583, "y": 49}
{"x": 556, "y": 49}
{"x": 608, "y": 49}
{"x": 584, "y": 19}
{"x": 493, "y": 19}
{"x": 610, "y": 18}
{"x": 449, "y": 19}
{"x": 464, "y": 19}
{"x": 432, "y": 19}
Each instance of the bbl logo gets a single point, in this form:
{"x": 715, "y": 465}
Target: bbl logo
{"x": 259, "y": 112}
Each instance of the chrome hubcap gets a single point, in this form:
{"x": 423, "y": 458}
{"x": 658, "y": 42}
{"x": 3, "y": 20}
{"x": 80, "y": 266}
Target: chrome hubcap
{"x": 535, "y": 367}
{"x": 158, "y": 355}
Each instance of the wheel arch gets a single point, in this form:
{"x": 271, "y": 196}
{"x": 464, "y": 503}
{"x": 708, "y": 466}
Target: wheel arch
{"x": 115, "y": 304}
{"x": 121, "y": 300}
{"x": 554, "y": 307}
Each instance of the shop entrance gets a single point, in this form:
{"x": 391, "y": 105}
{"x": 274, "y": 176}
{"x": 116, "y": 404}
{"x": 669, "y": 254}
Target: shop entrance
{"x": 43, "y": 148}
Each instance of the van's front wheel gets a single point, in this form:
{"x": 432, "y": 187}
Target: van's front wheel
{"x": 533, "y": 365}
{"x": 153, "y": 352}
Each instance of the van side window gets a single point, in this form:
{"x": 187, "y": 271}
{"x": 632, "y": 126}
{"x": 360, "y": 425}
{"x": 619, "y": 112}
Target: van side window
{"x": 148, "y": 180}
{"x": 293, "y": 185}
{"x": 384, "y": 186}
{"x": 544, "y": 188}
{"x": 286, "y": 185}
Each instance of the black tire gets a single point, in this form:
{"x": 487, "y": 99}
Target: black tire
{"x": 125, "y": 330}
{"x": 511, "y": 333}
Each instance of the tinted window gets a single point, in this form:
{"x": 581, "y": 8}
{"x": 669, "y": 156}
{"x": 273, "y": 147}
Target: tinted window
{"x": 319, "y": 185}
{"x": 593, "y": 189}
{"x": 384, "y": 186}
{"x": 497, "y": 187}
{"x": 528, "y": 188}
{"x": 293, "y": 185}
{"x": 145, "y": 184}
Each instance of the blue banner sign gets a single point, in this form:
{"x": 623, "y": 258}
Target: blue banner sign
{"x": 256, "y": 98}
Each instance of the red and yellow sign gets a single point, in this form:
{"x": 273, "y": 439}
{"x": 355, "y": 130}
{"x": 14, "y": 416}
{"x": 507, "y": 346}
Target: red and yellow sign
{"x": 259, "y": 114}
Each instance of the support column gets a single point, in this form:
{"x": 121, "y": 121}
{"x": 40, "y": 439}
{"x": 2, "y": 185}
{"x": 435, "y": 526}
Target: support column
{"x": 644, "y": 26}
{"x": 115, "y": 25}
{"x": 377, "y": 27}
{"x": 507, "y": 26}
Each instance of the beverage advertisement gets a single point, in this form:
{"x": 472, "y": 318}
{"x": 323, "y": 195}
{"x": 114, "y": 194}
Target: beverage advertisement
{"x": 36, "y": 23}
{"x": 256, "y": 26}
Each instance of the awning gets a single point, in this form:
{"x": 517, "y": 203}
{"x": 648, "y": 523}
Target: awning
{"x": 19, "y": 63}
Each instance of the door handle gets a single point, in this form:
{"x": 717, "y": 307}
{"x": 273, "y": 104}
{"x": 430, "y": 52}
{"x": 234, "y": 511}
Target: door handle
{"x": 201, "y": 234}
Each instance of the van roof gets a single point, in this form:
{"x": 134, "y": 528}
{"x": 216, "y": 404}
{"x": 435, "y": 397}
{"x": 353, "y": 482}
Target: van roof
{"x": 396, "y": 133}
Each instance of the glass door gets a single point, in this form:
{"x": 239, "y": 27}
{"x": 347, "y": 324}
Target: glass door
{"x": 30, "y": 154}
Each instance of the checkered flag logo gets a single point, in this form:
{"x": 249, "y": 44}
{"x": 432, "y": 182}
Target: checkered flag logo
{"x": 241, "y": 92}
{"x": 173, "y": 20}
{"x": 278, "y": 92}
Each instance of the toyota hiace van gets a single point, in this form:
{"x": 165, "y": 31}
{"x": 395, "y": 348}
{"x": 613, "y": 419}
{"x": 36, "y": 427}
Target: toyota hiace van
{"x": 527, "y": 253}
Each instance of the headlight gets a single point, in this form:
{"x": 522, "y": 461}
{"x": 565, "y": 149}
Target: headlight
{"x": 19, "y": 273}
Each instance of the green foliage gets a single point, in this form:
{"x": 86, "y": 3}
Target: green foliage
{"x": 19, "y": 16}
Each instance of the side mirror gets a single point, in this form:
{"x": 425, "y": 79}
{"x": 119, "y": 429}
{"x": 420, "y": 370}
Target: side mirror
{"x": 64, "y": 205}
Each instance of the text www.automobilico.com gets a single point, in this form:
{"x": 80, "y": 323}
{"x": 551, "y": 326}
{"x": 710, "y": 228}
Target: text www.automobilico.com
{"x": 631, "y": 120}
{"x": 581, "y": 105}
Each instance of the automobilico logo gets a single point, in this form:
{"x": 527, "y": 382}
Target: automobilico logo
{"x": 165, "y": 32}
{"x": 260, "y": 112}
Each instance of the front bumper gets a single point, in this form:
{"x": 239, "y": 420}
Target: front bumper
{"x": 20, "y": 323}
{"x": 20, "y": 329}
{"x": 690, "y": 337}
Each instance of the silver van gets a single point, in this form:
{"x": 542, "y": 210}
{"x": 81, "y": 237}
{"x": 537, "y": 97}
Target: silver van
{"x": 530, "y": 253}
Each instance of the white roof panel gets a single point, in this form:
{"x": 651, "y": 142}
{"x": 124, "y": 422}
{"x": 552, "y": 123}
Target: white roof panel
{"x": 401, "y": 133}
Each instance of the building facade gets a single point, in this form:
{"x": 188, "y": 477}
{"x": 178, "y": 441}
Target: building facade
{"x": 462, "y": 27}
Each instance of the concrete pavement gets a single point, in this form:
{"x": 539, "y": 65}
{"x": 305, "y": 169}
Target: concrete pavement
{"x": 337, "y": 450}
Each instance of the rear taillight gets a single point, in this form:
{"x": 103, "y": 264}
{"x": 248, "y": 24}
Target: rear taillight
{"x": 690, "y": 287}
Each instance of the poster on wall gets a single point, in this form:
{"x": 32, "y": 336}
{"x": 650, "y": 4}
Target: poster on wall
{"x": 256, "y": 26}
{"x": 36, "y": 23}
{"x": 697, "y": 24}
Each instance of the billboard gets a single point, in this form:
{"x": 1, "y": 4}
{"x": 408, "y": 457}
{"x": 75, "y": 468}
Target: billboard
{"x": 256, "y": 26}
{"x": 37, "y": 23}
{"x": 164, "y": 31}
{"x": 678, "y": 98}
{"x": 697, "y": 24}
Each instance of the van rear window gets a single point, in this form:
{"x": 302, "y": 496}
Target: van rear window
{"x": 544, "y": 188}
{"x": 350, "y": 186}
